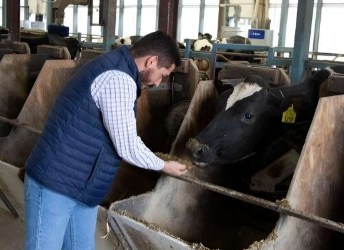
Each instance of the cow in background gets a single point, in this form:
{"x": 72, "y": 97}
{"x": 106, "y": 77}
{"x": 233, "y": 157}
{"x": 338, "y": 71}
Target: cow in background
{"x": 239, "y": 40}
{"x": 71, "y": 43}
{"x": 203, "y": 43}
{"x": 130, "y": 40}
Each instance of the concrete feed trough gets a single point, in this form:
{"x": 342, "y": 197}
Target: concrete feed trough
{"x": 177, "y": 212}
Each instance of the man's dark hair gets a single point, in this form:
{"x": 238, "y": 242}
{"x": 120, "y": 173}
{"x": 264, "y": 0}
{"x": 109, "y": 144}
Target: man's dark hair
{"x": 159, "y": 44}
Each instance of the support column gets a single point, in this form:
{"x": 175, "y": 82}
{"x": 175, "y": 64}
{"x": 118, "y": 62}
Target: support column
{"x": 109, "y": 10}
{"x": 120, "y": 18}
{"x": 168, "y": 17}
{"x": 317, "y": 27}
{"x": 302, "y": 39}
{"x": 201, "y": 17}
{"x": 75, "y": 19}
{"x": 13, "y": 18}
{"x": 26, "y": 10}
{"x": 283, "y": 23}
{"x": 138, "y": 19}
{"x": 4, "y": 13}
{"x": 49, "y": 11}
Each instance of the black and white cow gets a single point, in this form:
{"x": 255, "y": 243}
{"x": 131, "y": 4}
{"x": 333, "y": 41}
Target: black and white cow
{"x": 130, "y": 40}
{"x": 249, "y": 116}
{"x": 240, "y": 40}
{"x": 203, "y": 43}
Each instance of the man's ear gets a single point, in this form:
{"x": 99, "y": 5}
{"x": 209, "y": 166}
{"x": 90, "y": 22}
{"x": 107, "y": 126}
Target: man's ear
{"x": 151, "y": 61}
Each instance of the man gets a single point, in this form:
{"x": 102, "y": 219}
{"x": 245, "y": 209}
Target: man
{"x": 90, "y": 128}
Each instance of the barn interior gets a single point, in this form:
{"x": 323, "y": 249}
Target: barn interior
{"x": 285, "y": 189}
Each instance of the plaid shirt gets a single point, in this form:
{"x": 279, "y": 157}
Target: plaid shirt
{"x": 114, "y": 93}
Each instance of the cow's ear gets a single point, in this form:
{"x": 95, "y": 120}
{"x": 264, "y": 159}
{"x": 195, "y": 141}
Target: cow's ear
{"x": 222, "y": 101}
{"x": 257, "y": 79}
{"x": 200, "y": 35}
{"x": 221, "y": 87}
{"x": 274, "y": 103}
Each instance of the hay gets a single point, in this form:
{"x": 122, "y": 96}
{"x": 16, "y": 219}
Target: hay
{"x": 167, "y": 157}
{"x": 258, "y": 244}
{"x": 192, "y": 142}
{"x": 283, "y": 203}
{"x": 152, "y": 226}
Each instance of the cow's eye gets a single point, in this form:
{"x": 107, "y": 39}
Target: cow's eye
{"x": 248, "y": 116}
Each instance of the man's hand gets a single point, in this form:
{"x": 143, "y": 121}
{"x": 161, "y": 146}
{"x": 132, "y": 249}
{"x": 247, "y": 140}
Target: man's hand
{"x": 173, "y": 168}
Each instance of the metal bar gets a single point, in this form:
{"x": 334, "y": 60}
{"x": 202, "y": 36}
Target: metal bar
{"x": 26, "y": 10}
{"x": 283, "y": 23}
{"x": 187, "y": 48}
{"x": 89, "y": 22}
{"x": 201, "y": 16}
{"x": 13, "y": 19}
{"x": 8, "y": 204}
{"x": 282, "y": 209}
{"x": 19, "y": 124}
{"x": 49, "y": 10}
{"x": 302, "y": 38}
{"x": 317, "y": 27}
{"x": 179, "y": 20}
{"x": 4, "y": 13}
{"x": 157, "y": 15}
{"x": 138, "y": 19}
{"x": 120, "y": 18}
{"x": 109, "y": 15}
{"x": 224, "y": 46}
{"x": 168, "y": 14}
{"x": 75, "y": 18}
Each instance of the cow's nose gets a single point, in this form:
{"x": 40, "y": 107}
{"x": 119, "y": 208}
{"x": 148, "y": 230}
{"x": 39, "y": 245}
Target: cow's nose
{"x": 198, "y": 152}
{"x": 196, "y": 148}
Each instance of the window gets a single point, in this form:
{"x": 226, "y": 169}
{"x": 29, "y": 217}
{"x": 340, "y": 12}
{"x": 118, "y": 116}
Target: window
{"x": 148, "y": 19}
{"x": 95, "y": 12}
{"x": 68, "y": 19}
{"x": 331, "y": 39}
{"x": 129, "y": 19}
{"x": 291, "y": 26}
{"x": 190, "y": 20}
{"x": 211, "y": 13}
{"x": 82, "y": 19}
{"x": 275, "y": 17}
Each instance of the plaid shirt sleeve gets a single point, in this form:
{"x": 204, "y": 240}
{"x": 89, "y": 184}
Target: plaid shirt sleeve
{"x": 114, "y": 93}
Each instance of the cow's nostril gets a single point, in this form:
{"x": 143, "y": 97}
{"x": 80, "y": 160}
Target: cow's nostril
{"x": 198, "y": 152}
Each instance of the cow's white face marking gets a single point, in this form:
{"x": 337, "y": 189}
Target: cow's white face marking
{"x": 127, "y": 41}
{"x": 241, "y": 91}
{"x": 202, "y": 43}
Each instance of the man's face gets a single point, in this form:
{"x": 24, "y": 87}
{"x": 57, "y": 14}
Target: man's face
{"x": 152, "y": 75}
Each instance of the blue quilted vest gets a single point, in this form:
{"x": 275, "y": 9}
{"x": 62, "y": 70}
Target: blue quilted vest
{"x": 74, "y": 155}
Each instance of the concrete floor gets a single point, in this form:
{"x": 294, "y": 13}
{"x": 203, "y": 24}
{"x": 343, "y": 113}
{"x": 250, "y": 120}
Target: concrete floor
{"x": 12, "y": 230}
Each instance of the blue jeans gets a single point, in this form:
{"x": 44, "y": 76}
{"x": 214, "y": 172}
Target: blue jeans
{"x": 55, "y": 221}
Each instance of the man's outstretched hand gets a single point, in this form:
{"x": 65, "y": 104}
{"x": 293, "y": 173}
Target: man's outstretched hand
{"x": 173, "y": 168}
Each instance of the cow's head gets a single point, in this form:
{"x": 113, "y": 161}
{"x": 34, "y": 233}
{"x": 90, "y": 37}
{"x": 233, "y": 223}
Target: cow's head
{"x": 243, "y": 118}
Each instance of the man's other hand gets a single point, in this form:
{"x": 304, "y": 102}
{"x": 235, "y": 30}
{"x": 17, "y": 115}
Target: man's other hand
{"x": 174, "y": 168}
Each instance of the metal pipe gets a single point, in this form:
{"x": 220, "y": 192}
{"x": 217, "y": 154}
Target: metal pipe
{"x": 4, "y": 13}
{"x": 283, "y": 23}
{"x": 201, "y": 16}
{"x": 317, "y": 27}
{"x": 8, "y": 204}
{"x": 20, "y": 124}
{"x": 280, "y": 208}
{"x": 138, "y": 17}
{"x": 120, "y": 18}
